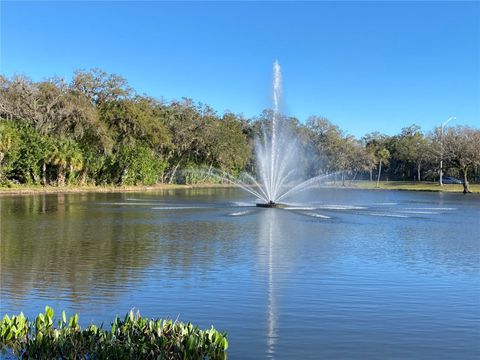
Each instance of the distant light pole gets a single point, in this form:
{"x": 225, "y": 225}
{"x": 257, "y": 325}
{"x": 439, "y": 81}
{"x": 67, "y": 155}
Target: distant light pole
{"x": 441, "y": 146}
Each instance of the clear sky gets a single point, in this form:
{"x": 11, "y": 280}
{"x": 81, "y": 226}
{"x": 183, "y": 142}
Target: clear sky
{"x": 364, "y": 65}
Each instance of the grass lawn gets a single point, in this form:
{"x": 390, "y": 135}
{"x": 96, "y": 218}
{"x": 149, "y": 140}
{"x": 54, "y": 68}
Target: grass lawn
{"x": 413, "y": 186}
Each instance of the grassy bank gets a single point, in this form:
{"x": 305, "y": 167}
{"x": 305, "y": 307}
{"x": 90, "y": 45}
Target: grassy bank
{"x": 369, "y": 185}
{"x": 39, "y": 189}
{"x": 411, "y": 186}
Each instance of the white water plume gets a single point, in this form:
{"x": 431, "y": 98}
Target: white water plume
{"x": 278, "y": 155}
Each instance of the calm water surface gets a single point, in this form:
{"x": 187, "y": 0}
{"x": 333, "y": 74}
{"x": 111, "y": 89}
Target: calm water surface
{"x": 340, "y": 274}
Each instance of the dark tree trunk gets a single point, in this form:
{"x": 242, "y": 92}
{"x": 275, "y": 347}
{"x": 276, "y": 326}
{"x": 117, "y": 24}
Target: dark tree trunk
{"x": 419, "y": 178}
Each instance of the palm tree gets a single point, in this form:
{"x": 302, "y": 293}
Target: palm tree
{"x": 383, "y": 155}
{"x": 75, "y": 162}
{"x": 59, "y": 157}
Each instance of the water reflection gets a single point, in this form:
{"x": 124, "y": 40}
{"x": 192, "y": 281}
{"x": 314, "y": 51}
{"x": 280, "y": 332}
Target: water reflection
{"x": 65, "y": 250}
{"x": 284, "y": 284}
{"x": 65, "y": 247}
{"x": 270, "y": 228}
{"x": 286, "y": 242}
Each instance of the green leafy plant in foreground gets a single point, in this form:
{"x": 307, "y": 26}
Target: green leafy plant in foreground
{"x": 133, "y": 337}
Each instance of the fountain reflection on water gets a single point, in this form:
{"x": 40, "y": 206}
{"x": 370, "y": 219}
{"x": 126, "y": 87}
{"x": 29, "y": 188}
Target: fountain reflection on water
{"x": 269, "y": 229}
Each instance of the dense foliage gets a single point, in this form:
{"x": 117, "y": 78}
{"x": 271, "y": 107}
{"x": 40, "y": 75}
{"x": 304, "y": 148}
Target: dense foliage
{"x": 134, "y": 337}
{"x": 95, "y": 129}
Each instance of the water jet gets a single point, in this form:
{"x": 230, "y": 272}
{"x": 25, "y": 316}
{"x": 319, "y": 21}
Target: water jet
{"x": 278, "y": 167}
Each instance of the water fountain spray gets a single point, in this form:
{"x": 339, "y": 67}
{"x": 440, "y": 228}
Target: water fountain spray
{"x": 277, "y": 158}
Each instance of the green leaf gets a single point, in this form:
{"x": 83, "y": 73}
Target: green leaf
{"x": 49, "y": 312}
{"x": 73, "y": 321}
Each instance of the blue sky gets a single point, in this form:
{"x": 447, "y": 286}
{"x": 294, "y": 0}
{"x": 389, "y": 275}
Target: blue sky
{"x": 364, "y": 65}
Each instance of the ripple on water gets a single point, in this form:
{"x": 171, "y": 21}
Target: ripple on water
{"x": 359, "y": 281}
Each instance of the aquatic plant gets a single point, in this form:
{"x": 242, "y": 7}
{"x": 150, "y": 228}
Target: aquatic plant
{"x": 133, "y": 337}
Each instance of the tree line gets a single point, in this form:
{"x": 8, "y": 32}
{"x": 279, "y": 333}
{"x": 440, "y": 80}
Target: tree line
{"x": 96, "y": 129}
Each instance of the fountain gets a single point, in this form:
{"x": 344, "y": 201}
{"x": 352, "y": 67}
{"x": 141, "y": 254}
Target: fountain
{"x": 277, "y": 156}
{"x": 274, "y": 152}
{"x": 277, "y": 159}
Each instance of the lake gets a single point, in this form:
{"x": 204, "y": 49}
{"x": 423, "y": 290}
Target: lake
{"x": 337, "y": 274}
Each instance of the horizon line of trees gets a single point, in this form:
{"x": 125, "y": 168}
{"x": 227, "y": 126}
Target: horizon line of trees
{"x": 95, "y": 129}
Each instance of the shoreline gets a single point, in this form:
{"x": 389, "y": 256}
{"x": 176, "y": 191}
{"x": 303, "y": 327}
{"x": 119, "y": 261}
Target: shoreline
{"x": 77, "y": 189}
{"x": 357, "y": 185}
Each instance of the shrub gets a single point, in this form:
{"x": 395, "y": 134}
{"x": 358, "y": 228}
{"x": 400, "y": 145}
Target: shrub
{"x": 134, "y": 337}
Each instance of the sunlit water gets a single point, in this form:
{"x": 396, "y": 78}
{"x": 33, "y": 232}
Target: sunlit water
{"x": 339, "y": 274}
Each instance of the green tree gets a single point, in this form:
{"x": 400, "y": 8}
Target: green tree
{"x": 373, "y": 142}
{"x": 462, "y": 149}
{"x": 31, "y": 151}
{"x": 329, "y": 140}
{"x": 186, "y": 124}
{"x": 138, "y": 165}
{"x": 100, "y": 87}
{"x": 383, "y": 155}
{"x": 59, "y": 157}
{"x": 8, "y": 140}
{"x": 226, "y": 144}
{"x": 7, "y": 135}
{"x": 411, "y": 147}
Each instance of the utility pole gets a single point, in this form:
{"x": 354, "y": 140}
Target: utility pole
{"x": 441, "y": 146}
